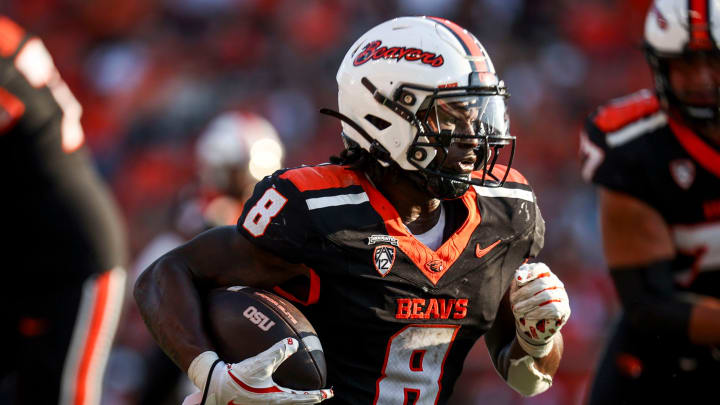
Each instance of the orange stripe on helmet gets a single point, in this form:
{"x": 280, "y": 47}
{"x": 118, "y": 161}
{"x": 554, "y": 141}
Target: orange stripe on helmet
{"x": 468, "y": 41}
{"x": 699, "y": 25}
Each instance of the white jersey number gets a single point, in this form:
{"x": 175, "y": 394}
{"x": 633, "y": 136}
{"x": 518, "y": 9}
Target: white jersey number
{"x": 267, "y": 207}
{"x": 591, "y": 157}
{"x": 414, "y": 364}
{"x": 701, "y": 241}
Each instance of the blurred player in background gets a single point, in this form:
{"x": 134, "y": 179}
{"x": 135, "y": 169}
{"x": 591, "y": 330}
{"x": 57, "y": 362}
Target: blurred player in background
{"x": 64, "y": 240}
{"x": 656, "y": 159}
{"x": 236, "y": 149}
{"x": 415, "y": 235}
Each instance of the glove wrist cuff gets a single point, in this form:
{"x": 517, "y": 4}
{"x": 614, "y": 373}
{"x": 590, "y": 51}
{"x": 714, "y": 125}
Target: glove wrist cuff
{"x": 535, "y": 350}
{"x": 200, "y": 368}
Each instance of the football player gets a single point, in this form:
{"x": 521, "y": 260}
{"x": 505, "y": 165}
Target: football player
{"x": 237, "y": 149}
{"x": 417, "y": 237}
{"x": 64, "y": 242}
{"x": 655, "y": 157}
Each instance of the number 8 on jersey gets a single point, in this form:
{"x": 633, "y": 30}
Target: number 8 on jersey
{"x": 260, "y": 215}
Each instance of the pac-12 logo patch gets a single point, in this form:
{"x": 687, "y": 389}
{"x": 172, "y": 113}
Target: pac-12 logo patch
{"x": 384, "y": 257}
{"x": 683, "y": 172}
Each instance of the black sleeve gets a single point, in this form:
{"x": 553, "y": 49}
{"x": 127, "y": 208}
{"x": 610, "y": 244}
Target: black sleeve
{"x": 25, "y": 107}
{"x": 276, "y": 219}
{"x": 652, "y": 304}
{"x": 61, "y": 204}
{"x": 616, "y": 168}
{"x": 537, "y": 237}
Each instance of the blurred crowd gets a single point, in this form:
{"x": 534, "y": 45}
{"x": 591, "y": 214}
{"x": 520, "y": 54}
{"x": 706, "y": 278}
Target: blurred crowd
{"x": 152, "y": 74}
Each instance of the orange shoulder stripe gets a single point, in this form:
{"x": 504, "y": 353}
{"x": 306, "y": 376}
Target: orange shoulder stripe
{"x": 499, "y": 171}
{"x": 320, "y": 177}
{"x": 10, "y": 36}
{"x": 621, "y": 112}
{"x": 13, "y": 107}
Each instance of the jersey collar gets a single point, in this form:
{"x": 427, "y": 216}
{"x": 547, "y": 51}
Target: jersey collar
{"x": 433, "y": 264}
{"x": 703, "y": 153}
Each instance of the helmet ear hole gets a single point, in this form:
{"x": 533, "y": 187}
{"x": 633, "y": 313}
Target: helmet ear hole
{"x": 378, "y": 122}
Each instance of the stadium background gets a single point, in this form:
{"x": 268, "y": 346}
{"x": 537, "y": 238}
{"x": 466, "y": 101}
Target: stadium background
{"x": 150, "y": 74}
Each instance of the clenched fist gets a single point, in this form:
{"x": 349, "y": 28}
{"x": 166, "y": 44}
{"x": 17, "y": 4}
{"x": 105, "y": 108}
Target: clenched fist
{"x": 540, "y": 305}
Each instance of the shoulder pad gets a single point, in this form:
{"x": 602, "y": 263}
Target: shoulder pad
{"x": 320, "y": 177}
{"x": 499, "y": 171}
{"x": 623, "y": 111}
{"x": 11, "y": 35}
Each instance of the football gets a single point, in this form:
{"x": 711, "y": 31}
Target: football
{"x": 244, "y": 321}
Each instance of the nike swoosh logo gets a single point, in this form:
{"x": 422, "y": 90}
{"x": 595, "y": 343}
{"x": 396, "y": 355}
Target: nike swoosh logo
{"x": 482, "y": 252}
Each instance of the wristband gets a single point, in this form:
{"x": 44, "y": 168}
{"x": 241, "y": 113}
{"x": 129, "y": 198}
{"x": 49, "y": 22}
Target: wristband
{"x": 207, "y": 383}
{"x": 200, "y": 368}
{"x": 525, "y": 378}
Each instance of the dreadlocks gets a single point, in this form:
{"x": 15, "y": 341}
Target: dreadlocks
{"x": 355, "y": 157}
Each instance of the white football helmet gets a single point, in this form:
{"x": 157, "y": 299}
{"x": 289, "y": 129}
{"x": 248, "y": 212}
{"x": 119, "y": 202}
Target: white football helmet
{"x": 237, "y": 142}
{"x": 682, "y": 29}
{"x": 397, "y": 76}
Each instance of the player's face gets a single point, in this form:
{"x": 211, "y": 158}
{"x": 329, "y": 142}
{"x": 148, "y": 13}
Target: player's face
{"x": 456, "y": 119}
{"x": 695, "y": 80}
{"x": 239, "y": 181}
{"x": 463, "y": 121}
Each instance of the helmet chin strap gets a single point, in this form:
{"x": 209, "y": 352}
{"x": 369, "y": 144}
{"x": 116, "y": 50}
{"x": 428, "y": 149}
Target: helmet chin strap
{"x": 700, "y": 116}
{"x": 446, "y": 188}
{"x": 438, "y": 186}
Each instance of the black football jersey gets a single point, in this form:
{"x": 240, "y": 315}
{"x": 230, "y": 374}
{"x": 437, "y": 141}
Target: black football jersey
{"x": 632, "y": 146}
{"x": 53, "y": 200}
{"x": 396, "y": 319}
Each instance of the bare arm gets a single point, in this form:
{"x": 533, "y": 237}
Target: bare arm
{"x": 503, "y": 346}
{"x": 168, "y": 292}
{"x": 635, "y": 235}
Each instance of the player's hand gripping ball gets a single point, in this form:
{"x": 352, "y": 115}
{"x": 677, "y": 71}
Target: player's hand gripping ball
{"x": 540, "y": 305}
{"x": 250, "y": 381}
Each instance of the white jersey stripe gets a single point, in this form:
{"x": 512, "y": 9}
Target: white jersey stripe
{"x": 95, "y": 328}
{"x": 344, "y": 199}
{"x": 703, "y": 238}
{"x": 636, "y": 129}
{"x": 505, "y": 192}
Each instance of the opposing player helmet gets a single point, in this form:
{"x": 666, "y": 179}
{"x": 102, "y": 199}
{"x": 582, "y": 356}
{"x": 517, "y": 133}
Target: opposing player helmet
{"x": 238, "y": 141}
{"x": 682, "y": 29}
{"x": 400, "y": 77}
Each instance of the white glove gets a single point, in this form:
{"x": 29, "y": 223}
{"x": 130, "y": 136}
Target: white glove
{"x": 250, "y": 381}
{"x": 540, "y": 305}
